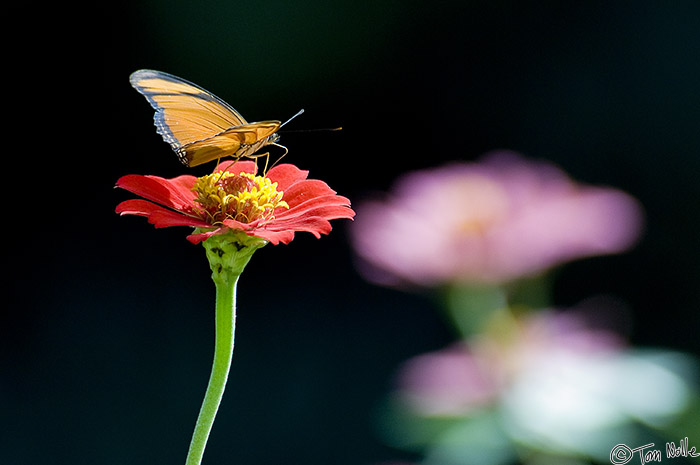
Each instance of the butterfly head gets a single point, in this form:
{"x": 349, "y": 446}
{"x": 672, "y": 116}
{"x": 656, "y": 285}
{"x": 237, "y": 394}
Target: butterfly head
{"x": 273, "y": 138}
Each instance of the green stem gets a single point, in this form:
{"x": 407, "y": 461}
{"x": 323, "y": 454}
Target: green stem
{"x": 223, "y": 353}
{"x": 228, "y": 254}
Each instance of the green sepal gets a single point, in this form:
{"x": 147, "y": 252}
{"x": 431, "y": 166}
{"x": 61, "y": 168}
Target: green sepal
{"x": 229, "y": 253}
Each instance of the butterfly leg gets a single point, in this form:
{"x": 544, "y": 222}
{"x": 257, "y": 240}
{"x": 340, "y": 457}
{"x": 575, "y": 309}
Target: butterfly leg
{"x": 259, "y": 155}
{"x": 281, "y": 156}
{"x": 230, "y": 164}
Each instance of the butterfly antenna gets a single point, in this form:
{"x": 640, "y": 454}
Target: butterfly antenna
{"x": 297, "y": 114}
{"x": 287, "y": 131}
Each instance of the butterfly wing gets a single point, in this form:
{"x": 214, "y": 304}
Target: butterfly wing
{"x": 197, "y": 124}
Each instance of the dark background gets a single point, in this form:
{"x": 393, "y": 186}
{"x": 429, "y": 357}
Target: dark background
{"x": 107, "y": 334}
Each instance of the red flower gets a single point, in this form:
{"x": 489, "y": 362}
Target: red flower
{"x": 271, "y": 207}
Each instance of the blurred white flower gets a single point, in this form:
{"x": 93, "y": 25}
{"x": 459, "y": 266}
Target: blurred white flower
{"x": 557, "y": 384}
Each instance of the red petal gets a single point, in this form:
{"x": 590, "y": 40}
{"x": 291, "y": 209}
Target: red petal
{"x": 326, "y": 213}
{"x": 158, "y": 216}
{"x": 237, "y": 167}
{"x": 233, "y": 224}
{"x": 197, "y": 238}
{"x": 285, "y": 175}
{"x": 175, "y": 193}
{"x": 305, "y": 190}
{"x": 330, "y": 207}
{"x": 274, "y": 237}
{"x": 313, "y": 224}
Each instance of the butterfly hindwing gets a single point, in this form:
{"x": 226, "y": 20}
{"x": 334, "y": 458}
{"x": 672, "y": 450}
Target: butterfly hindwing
{"x": 198, "y": 125}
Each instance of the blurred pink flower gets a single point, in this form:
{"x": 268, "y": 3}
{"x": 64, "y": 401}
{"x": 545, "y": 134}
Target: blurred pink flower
{"x": 451, "y": 381}
{"x": 467, "y": 375}
{"x": 487, "y": 222}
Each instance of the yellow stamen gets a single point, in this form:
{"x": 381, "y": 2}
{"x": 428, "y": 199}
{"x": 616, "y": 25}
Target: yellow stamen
{"x": 242, "y": 197}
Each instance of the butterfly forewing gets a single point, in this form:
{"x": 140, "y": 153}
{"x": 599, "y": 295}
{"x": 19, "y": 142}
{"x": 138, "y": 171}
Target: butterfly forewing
{"x": 199, "y": 126}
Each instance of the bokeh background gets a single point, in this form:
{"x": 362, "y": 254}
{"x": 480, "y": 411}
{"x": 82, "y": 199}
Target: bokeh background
{"x": 107, "y": 331}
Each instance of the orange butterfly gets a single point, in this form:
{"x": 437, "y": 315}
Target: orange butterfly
{"x": 199, "y": 126}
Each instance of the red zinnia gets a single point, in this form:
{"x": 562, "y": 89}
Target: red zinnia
{"x": 271, "y": 207}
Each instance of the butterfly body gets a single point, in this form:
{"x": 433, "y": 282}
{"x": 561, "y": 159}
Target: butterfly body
{"x": 199, "y": 126}
{"x": 238, "y": 142}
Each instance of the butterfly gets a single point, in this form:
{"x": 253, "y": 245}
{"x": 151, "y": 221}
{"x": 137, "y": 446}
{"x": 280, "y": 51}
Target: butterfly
{"x": 199, "y": 126}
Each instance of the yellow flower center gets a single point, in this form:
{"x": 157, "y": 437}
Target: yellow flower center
{"x": 242, "y": 197}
